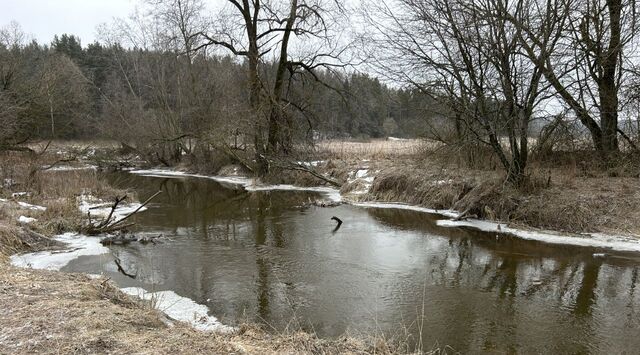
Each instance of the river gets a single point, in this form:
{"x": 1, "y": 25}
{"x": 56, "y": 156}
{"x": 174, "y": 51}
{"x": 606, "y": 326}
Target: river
{"x": 272, "y": 258}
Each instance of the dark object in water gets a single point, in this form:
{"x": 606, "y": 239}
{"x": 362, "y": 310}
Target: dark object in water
{"x": 124, "y": 239}
{"x": 339, "y": 223}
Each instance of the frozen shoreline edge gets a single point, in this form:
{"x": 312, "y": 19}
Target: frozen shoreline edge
{"x": 174, "y": 306}
{"x": 592, "y": 240}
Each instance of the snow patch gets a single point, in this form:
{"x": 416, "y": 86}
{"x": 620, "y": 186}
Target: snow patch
{"x": 19, "y": 194}
{"x": 310, "y": 163}
{"x": 78, "y": 245}
{"x": 8, "y": 182}
{"x": 361, "y": 175}
{"x": 27, "y": 220}
{"x": 31, "y": 207}
{"x": 181, "y": 308}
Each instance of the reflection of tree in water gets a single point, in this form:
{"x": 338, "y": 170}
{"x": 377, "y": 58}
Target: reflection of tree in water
{"x": 269, "y": 230}
{"x": 260, "y": 232}
{"x": 586, "y": 296}
{"x": 215, "y": 210}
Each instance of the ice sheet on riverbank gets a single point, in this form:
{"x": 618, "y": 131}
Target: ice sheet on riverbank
{"x": 78, "y": 245}
{"x": 401, "y": 206}
{"x": 180, "y": 308}
{"x": 595, "y": 240}
{"x": 249, "y": 184}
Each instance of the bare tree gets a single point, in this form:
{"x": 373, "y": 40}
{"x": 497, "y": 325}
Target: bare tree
{"x": 467, "y": 56}
{"x": 12, "y": 40}
{"x": 257, "y": 30}
{"x": 588, "y": 67}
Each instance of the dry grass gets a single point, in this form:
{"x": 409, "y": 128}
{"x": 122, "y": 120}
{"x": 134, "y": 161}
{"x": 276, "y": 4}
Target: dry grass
{"x": 58, "y": 191}
{"x": 53, "y": 312}
{"x": 374, "y": 149}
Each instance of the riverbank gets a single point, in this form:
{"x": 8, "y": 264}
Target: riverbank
{"x": 565, "y": 193}
{"x": 56, "y": 312}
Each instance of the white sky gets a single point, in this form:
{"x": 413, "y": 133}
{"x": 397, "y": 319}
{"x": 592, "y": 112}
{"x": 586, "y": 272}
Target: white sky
{"x": 42, "y": 19}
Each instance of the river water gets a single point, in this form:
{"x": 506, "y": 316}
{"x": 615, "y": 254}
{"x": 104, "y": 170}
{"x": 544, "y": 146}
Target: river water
{"x": 269, "y": 257}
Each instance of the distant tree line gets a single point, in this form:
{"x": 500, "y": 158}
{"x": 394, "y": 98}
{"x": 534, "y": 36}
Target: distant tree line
{"x": 155, "y": 97}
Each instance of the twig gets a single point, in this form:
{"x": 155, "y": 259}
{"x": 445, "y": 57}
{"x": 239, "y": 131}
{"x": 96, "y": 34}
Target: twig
{"x": 121, "y": 269}
{"x": 113, "y": 208}
{"x": 137, "y": 209}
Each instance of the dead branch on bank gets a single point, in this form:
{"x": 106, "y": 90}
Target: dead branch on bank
{"x": 289, "y": 165}
{"x": 107, "y": 226}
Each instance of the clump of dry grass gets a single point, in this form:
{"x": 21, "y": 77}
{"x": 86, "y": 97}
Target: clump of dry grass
{"x": 10, "y": 241}
{"x": 53, "y": 189}
{"x": 15, "y": 239}
{"x": 413, "y": 186}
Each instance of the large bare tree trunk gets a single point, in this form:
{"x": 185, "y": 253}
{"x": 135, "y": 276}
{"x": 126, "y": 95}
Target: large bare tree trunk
{"x": 276, "y": 118}
{"x": 607, "y": 85}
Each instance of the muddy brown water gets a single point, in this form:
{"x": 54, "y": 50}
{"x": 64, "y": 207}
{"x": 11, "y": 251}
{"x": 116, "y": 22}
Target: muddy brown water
{"x": 265, "y": 257}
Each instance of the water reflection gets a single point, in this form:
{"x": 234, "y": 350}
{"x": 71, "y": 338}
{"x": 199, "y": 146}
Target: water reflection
{"x": 266, "y": 257}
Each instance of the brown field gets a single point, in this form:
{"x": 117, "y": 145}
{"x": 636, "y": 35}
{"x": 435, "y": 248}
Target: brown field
{"x": 373, "y": 149}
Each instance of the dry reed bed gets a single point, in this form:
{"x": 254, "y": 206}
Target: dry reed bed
{"x": 374, "y": 149}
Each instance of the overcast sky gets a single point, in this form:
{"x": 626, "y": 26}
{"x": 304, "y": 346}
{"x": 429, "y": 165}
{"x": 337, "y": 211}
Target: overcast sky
{"x": 42, "y": 19}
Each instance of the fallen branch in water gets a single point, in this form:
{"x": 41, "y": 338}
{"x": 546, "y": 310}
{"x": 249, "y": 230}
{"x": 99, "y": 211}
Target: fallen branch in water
{"x": 339, "y": 223}
{"x": 106, "y": 226}
{"x": 137, "y": 209}
{"x": 124, "y": 239}
{"x": 121, "y": 269}
{"x": 106, "y": 221}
